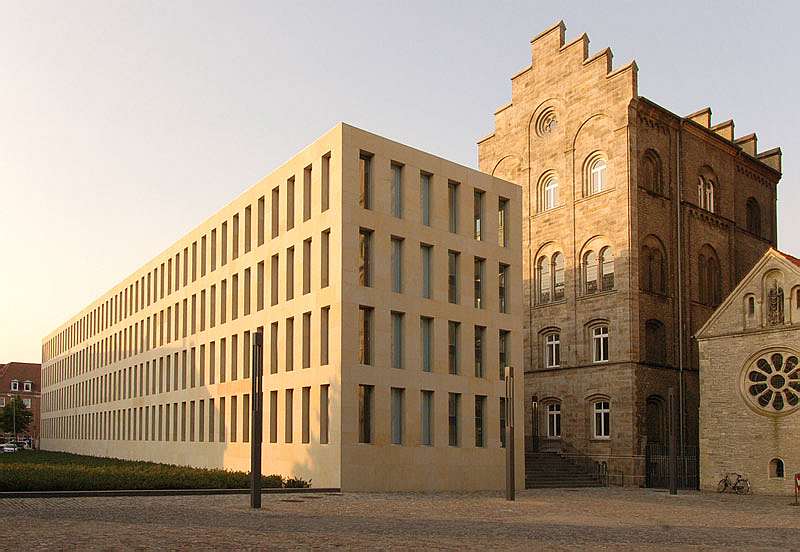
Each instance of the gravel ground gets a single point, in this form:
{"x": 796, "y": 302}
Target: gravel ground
{"x": 557, "y": 519}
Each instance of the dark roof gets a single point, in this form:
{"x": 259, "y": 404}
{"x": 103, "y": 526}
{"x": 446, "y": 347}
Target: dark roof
{"x": 21, "y": 371}
{"x": 790, "y": 258}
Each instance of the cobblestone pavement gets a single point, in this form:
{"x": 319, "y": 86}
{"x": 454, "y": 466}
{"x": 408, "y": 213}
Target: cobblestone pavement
{"x": 558, "y": 519}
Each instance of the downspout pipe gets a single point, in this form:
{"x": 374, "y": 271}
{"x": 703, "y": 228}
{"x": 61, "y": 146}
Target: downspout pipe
{"x": 679, "y": 289}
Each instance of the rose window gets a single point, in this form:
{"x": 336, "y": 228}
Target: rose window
{"x": 547, "y": 122}
{"x": 771, "y": 383}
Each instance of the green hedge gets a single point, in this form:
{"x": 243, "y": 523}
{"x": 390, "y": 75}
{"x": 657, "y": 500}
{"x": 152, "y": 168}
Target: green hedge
{"x": 59, "y": 471}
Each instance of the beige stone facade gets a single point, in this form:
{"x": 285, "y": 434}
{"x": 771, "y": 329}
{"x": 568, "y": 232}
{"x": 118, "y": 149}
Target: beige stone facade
{"x": 385, "y": 281}
{"x": 750, "y": 380}
{"x": 636, "y": 223}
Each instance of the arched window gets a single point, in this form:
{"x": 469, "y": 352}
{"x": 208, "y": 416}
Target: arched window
{"x": 558, "y": 276}
{"x": 595, "y": 175}
{"x": 753, "y": 216}
{"x": 751, "y": 306}
{"x": 602, "y": 419}
{"x": 554, "y": 420}
{"x": 543, "y": 276}
{"x": 656, "y": 420}
{"x": 709, "y": 278}
{"x": 552, "y": 350}
{"x": 705, "y": 192}
{"x": 653, "y": 273}
{"x": 776, "y": 468}
{"x": 590, "y": 272}
{"x": 600, "y": 343}
{"x": 548, "y": 193}
{"x": 607, "y": 269}
{"x": 655, "y": 342}
{"x": 651, "y": 172}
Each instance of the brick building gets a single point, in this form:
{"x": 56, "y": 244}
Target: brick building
{"x": 636, "y": 223}
{"x": 750, "y": 380}
{"x": 22, "y": 379}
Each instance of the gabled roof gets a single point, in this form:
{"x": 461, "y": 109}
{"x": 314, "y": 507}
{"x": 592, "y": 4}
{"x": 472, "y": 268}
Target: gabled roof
{"x": 793, "y": 263}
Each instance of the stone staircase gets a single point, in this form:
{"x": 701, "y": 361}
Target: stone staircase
{"x": 551, "y": 470}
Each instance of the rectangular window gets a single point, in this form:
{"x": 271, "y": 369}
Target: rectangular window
{"x": 248, "y": 228}
{"x": 425, "y": 197}
{"x": 306, "y": 340}
{"x": 234, "y": 420}
{"x": 223, "y": 302}
{"x": 273, "y": 416}
{"x": 221, "y": 431}
{"x": 202, "y": 257}
{"x": 365, "y": 407}
{"x": 365, "y": 334}
{"x": 554, "y": 421}
{"x": 453, "y": 357}
{"x": 398, "y": 415}
{"x": 245, "y": 418}
{"x": 397, "y": 190}
{"x": 260, "y": 286}
{"x": 452, "y": 276}
{"x": 235, "y": 237}
{"x": 397, "y": 264}
{"x": 478, "y": 215}
{"x": 600, "y": 343}
{"x": 274, "y": 280}
{"x": 365, "y": 180}
{"x": 290, "y": 273}
{"x": 480, "y": 421}
{"x": 234, "y": 357}
{"x": 426, "y": 331}
{"x": 289, "y": 345}
{"x": 426, "y": 418}
{"x": 502, "y": 282}
{"x": 452, "y": 205}
{"x": 307, "y": 194}
{"x": 364, "y": 257}
{"x": 324, "y": 329}
{"x": 480, "y": 337}
{"x": 290, "y": 203}
{"x": 307, "y": 266}
{"x": 223, "y": 359}
{"x": 502, "y": 348}
{"x": 235, "y": 297}
{"x": 478, "y": 282}
{"x": 324, "y": 269}
{"x": 276, "y": 213}
{"x": 602, "y": 420}
{"x": 323, "y": 414}
{"x": 427, "y": 270}
{"x": 288, "y": 429}
{"x": 211, "y": 422}
{"x": 397, "y": 339}
{"x": 224, "y": 244}
{"x": 325, "y": 188}
{"x": 305, "y": 407}
{"x": 273, "y": 343}
{"x": 260, "y": 214}
{"x": 247, "y": 285}
{"x": 502, "y": 217}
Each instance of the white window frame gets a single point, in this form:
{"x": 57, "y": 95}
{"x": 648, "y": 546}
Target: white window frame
{"x": 552, "y": 350}
{"x": 15, "y": 385}
{"x": 554, "y": 420}
{"x": 27, "y": 386}
{"x": 600, "y": 342}
{"x": 2, "y": 402}
{"x": 601, "y": 419}
{"x": 26, "y": 403}
{"x": 550, "y": 193}
{"x": 597, "y": 176}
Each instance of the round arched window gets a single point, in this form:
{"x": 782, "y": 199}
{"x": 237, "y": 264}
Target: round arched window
{"x": 770, "y": 382}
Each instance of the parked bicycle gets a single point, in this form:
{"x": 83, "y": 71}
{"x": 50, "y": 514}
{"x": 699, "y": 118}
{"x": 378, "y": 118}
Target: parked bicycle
{"x": 735, "y": 483}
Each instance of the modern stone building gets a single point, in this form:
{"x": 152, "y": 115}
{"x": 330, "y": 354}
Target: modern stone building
{"x": 23, "y": 380}
{"x": 750, "y": 380}
{"x": 636, "y": 223}
{"x": 385, "y": 282}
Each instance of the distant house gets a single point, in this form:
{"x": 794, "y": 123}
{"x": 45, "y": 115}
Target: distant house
{"x": 750, "y": 380}
{"x": 22, "y": 379}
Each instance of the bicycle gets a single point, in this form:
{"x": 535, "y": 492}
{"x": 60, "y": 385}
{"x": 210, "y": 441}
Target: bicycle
{"x": 740, "y": 485}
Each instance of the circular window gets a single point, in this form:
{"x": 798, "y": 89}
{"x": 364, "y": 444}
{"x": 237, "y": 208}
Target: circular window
{"x": 770, "y": 382}
{"x": 547, "y": 122}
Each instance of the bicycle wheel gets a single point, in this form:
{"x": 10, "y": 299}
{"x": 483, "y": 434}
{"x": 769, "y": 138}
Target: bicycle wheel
{"x": 722, "y": 485}
{"x": 743, "y": 487}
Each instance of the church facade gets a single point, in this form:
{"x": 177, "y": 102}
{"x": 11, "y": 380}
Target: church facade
{"x": 637, "y": 222}
{"x": 750, "y": 380}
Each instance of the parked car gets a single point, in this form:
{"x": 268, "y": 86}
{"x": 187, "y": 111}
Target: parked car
{"x": 9, "y": 447}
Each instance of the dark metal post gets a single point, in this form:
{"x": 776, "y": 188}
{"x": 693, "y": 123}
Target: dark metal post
{"x": 673, "y": 452}
{"x": 257, "y": 419}
{"x": 509, "y": 429}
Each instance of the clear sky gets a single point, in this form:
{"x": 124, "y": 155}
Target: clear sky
{"x": 125, "y": 124}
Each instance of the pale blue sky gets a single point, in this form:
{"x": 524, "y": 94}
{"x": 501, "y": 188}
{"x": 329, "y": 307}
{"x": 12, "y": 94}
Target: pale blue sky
{"x": 125, "y": 124}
